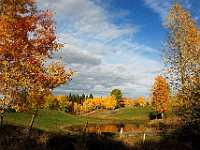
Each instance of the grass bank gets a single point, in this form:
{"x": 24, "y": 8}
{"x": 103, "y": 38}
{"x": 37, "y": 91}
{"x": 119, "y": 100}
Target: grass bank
{"x": 51, "y": 120}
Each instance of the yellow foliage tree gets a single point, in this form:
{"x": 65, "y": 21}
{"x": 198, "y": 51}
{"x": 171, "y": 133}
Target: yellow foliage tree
{"x": 77, "y": 108}
{"x": 109, "y": 102}
{"x": 91, "y": 104}
{"x": 63, "y": 103}
{"x": 128, "y": 102}
{"x": 50, "y": 102}
{"x": 160, "y": 98}
{"x": 60, "y": 102}
{"x": 183, "y": 51}
{"x": 140, "y": 101}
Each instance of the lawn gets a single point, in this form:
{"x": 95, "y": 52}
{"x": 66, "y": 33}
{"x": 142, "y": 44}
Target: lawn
{"x": 128, "y": 114}
{"x": 48, "y": 120}
{"x": 51, "y": 120}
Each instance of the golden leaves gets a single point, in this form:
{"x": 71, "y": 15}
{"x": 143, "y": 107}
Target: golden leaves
{"x": 160, "y": 99}
{"x": 108, "y": 102}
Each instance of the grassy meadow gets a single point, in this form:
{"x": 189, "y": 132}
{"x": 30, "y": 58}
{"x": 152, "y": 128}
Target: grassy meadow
{"x": 52, "y": 120}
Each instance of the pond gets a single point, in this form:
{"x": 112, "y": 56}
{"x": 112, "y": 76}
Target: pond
{"x": 106, "y": 128}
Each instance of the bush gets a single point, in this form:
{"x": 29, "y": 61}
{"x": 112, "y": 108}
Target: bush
{"x": 66, "y": 109}
{"x": 155, "y": 115}
{"x": 11, "y": 110}
{"x": 152, "y": 115}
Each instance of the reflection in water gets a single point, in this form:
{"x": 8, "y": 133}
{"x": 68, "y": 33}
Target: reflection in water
{"x": 114, "y": 128}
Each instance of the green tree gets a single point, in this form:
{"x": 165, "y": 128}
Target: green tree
{"x": 70, "y": 97}
{"x": 118, "y": 96}
{"x": 82, "y": 98}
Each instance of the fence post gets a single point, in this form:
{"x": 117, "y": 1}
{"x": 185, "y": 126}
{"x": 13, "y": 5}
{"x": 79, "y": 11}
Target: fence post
{"x": 144, "y": 137}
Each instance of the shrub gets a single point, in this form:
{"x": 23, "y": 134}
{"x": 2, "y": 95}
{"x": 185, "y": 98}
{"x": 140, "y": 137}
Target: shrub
{"x": 152, "y": 115}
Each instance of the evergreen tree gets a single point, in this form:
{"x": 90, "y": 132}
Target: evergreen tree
{"x": 91, "y": 96}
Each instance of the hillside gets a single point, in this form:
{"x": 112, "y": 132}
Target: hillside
{"x": 51, "y": 120}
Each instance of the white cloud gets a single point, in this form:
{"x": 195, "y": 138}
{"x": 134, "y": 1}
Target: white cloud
{"x": 159, "y": 6}
{"x": 133, "y": 79}
{"x": 87, "y": 18}
{"x": 102, "y": 52}
{"x": 74, "y": 55}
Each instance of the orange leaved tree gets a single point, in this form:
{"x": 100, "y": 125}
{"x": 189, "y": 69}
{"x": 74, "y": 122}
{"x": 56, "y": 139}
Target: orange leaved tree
{"x": 160, "y": 97}
{"x": 183, "y": 61}
{"x": 27, "y": 40}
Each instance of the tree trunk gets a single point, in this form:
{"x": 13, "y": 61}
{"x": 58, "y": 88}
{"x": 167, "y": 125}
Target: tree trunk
{"x": 1, "y": 120}
{"x": 144, "y": 137}
{"x": 32, "y": 120}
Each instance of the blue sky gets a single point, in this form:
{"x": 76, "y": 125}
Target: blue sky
{"x": 112, "y": 43}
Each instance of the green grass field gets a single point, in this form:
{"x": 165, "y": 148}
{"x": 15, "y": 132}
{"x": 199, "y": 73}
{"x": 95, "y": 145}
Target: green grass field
{"x": 48, "y": 120}
{"x": 51, "y": 120}
{"x": 132, "y": 115}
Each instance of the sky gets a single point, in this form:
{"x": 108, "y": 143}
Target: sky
{"x": 112, "y": 43}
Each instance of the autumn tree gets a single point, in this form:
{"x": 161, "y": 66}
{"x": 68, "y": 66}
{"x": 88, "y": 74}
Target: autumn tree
{"x": 183, "y": 61}
{"x": 60, "y": 102}
{"x": 118, "y": 96}
{"x": 90, "y": 104}
{"x": 140, "y": 101}
{"x": 109, "y": 102}
{"x": 27, "y": 40}
{"x": 127, "y": 102}
{"x": 160, "y": 95}
{"x": 51, "y": 102}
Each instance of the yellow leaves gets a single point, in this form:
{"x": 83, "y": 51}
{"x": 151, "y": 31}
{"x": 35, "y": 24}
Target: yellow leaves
{"x": 57, "y": 46}
{"x": 77, "y": 108}
{"x": 57, "y": 74}
{"x": 128, "y": 102}
{"x": 4, "y": 62}
{"x": 91, "y": 104}
{"x": 183, "y": 57}
{"x": 36, "y": 98}
{"x": 63, "y": 102}
{"x": 160, "y": 99}
{"x": 50, "y": 102}
{"x": 109, "y": 102}
{"x": 60, "y": 102}
{"x": 140, "y": 101}
{"x": 184, "y": 31}
{"x": 18, "y": 108}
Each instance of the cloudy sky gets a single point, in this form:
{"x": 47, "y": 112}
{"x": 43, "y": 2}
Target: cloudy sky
{"x": 112, "y": 43}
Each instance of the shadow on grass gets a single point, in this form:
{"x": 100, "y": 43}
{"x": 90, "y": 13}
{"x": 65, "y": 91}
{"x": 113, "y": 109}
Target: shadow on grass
{"x": 189, "y": 134}
{"x": 15, "y": 138}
